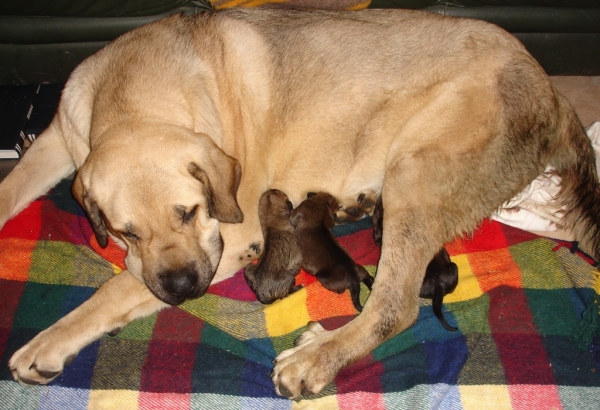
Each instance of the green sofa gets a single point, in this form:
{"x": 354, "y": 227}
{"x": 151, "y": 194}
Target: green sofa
{"x": 42, "y": 41}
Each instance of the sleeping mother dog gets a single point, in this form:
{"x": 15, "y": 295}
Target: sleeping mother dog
{"x": 445, "y": 118}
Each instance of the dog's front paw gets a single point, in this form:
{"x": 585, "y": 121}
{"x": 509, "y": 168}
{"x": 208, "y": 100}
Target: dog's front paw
{"x": 307, "y": 367}
{"x": 41, "y": 360}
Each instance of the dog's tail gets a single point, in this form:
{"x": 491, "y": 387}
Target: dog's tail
{"x": 575, "y": 161}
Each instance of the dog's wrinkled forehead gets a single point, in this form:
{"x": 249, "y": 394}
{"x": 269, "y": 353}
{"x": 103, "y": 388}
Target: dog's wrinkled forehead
{"x": 150, "y": 196}
{"x": 176, "y": 175}
{"x": 123, "y": 183}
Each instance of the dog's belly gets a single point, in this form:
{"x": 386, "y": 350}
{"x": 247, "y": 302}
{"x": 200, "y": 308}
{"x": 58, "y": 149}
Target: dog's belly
{"x": 244, "y": 241}
{"x": 326, "y": 171}
{"x": 318, "y": 156}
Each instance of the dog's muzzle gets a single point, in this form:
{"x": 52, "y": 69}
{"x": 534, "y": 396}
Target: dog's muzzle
{"x": 181, "y": 284}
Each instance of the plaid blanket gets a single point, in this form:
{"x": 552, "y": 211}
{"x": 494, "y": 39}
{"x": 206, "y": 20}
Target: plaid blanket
{"x": 518, "y": 307}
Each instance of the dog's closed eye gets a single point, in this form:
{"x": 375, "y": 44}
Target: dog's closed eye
{"x": 130, "y": 236}
{"x": 187, "y": 216}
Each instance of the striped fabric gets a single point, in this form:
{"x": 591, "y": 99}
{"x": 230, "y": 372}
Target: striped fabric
{"x": 518, "y": 304}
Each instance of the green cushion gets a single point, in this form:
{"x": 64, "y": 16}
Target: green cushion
{"x": 43, "y": 40}
{"x": 419, "y": 4}
{"x": 94, "y": 8}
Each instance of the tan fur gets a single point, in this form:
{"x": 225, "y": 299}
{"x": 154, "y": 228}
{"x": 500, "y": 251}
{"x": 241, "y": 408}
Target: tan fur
{"x": 178, "y": 127}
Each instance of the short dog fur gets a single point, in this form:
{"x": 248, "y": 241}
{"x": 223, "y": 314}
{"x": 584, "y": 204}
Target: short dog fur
{"x": 274, "y": 276}
{"x": 441, "y": 274}
{"x": 322, "y": 255}
{"x": 447, "y": 118}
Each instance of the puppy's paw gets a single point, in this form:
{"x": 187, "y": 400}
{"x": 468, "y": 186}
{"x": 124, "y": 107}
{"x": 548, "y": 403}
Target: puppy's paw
{"x": 309, "y": 366}
{"x": 41, "y": 360}
{"x": 251, "y": 253}
{"x": 349, "y": 214}
{"x": 367, "y": 201}
{"x": 357, "y": 208}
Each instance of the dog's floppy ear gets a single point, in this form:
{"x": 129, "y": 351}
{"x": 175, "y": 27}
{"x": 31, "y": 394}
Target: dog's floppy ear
{"x": 220, "y": 176}
{"x": 92, "y": 210}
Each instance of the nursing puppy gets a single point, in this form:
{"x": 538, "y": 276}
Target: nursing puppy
{"x": 441, "y": 275}
{"x": 322, "y": 255}
{"x": 273, "y": 277}
{"x": 441, "y": 278}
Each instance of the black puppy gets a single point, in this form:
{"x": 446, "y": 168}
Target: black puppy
{"x": 322, "y": 255}
{"x": 273, "y": 277}
{"x": 441, "y": 275}
{"x": 441, "y": 278}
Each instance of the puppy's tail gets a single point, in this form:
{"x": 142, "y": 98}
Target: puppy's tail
{"x": 437, "y": 301}
{"x": 364, "y": 277}
{"x": 355, "y": 295}
{"x": 575, "y": 161}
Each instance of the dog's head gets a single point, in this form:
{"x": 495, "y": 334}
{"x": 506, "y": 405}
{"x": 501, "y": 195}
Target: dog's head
{"x": 318, "y": 208}
{"x": 274, "y": 210}
{"x": 161, "y": 191}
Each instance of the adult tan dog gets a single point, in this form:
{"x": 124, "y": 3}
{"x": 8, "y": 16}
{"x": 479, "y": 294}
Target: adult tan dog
{"x": 177, "y": 128}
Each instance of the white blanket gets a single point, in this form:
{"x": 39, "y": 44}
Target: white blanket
{"x": 535, "y": 208}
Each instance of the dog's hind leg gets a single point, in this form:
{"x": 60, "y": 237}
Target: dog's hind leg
{"x": 468, "y": 162}
{"x": 413, "y": 232}
{"x": 45, "y": 163}
{"x": 120, "y": 300}
{"x": 391, "y": 307}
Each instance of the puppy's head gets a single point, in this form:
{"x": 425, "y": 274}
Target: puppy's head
{"x": 161, "y": 191}
{"x": 274, "y": 210}
{"x": 318, "y": 208}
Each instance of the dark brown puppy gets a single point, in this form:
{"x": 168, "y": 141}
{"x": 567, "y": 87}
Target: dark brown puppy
{"x": 441, "y": 278}
{"x": 441, "y": 275}
{"x": 322, "y": 255}
{"x": 273, "y": 277}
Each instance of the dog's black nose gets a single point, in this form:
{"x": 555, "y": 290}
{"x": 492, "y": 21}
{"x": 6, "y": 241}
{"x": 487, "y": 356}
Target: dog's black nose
{"x": 181, "y": 283}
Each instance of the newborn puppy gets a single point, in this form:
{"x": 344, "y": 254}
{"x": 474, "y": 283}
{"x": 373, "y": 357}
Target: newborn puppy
{"x": 441, "y": 278}
{"x": 322, "y": 255}
{"x": 274, "y": 275}
{"x": 441, "y": 275}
